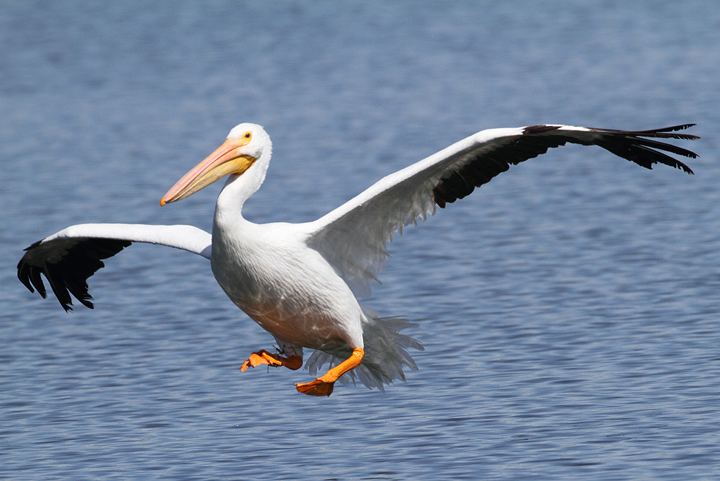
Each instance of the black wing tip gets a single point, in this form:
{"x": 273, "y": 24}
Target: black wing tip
{"x": 85, "y": 300}
{"x": 69, "y": 305}
{"x": 66, "y": 270}
{"x": 665, "y": 132}
{"x": 685, "y": 168}
{"x": 25, "y": 271}
{"x": 674, "y": 128}
{"x": 33, "y": 245}
{"x": 23, "y": 276}
{"x": 643, "y": 148}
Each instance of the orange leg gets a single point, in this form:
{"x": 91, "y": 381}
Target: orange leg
{"x": 275, "y": 360}
{"x": 323, "y": 386}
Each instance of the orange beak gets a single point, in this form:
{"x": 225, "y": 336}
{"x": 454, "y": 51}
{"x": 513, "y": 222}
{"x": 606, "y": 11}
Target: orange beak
{"x": 223, "y": 161}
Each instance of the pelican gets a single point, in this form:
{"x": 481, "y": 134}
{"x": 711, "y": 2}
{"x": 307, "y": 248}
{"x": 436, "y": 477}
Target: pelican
{"x": 301, "y": 282}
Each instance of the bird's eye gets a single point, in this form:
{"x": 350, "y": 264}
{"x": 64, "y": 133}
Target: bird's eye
{"x": 247, "y": 135}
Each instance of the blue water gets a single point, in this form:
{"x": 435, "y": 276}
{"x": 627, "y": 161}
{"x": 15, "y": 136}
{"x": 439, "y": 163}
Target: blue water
{"x": 569, "y": 309}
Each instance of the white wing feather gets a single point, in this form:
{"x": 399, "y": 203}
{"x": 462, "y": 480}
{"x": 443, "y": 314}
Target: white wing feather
{"x": 353, "y": 236}
{"x": 185, "y": 237}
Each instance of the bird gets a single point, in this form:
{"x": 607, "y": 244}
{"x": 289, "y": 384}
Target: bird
{"x": 302, "y": 282}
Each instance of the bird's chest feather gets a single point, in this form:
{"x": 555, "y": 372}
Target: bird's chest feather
{"x": 286, "y": 288}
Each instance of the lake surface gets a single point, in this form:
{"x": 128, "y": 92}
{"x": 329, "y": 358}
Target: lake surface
{"x": 570, "y": 309}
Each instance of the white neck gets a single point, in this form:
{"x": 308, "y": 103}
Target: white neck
{"x": 239, "y": 188}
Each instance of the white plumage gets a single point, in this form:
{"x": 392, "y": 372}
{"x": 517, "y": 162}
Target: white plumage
{"x": 300, "y": 282}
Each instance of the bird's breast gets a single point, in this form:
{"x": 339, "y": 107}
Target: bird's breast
{"x": 287, "y": 288}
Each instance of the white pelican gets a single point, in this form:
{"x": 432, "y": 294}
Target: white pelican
{"x": 300, "y": 281}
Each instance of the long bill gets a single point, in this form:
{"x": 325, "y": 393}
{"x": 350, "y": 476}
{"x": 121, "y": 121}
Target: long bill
{"x": 224, "y": 160}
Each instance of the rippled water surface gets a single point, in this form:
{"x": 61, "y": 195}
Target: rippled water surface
{"x": 569, "y": 309}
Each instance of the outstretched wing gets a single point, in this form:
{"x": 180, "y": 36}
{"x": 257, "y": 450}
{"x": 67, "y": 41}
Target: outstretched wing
{"x": 69, "y": 257}
{"x": 353, "y": 236}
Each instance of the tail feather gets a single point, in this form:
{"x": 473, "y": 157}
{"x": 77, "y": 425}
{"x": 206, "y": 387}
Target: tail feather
{"x": 386, "y": 353}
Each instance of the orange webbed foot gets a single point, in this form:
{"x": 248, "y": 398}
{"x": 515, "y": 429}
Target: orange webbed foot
{"x": 318, "y": 387}
{"x": 275, "y": 360}
{"x": 323, "y": 386}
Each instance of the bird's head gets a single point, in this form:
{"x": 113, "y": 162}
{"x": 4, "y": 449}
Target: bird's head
{"x": 244, "y": 145}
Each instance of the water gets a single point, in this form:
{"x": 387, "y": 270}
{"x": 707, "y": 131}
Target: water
{"x": 569, "y": 309}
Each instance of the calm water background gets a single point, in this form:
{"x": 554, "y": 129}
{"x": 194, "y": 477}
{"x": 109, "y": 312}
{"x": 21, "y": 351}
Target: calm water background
{"x": 570, "y": 309}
